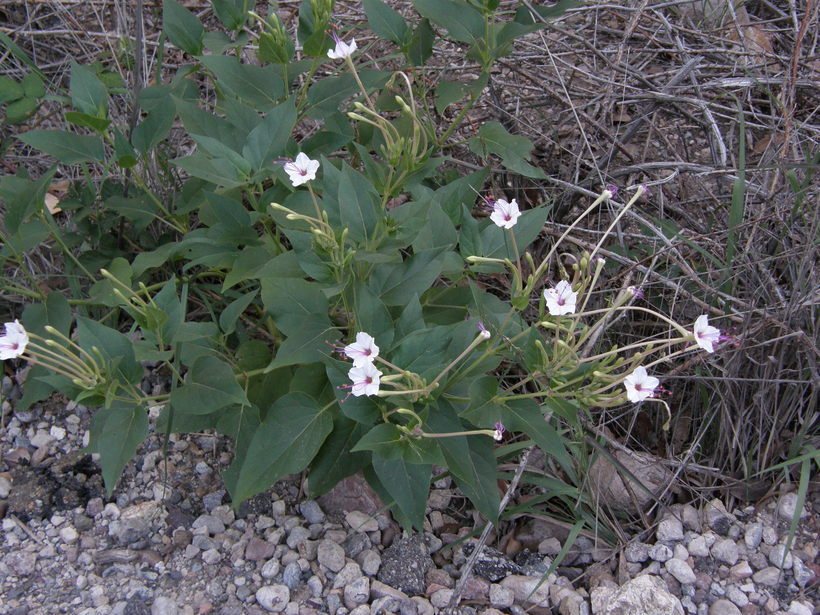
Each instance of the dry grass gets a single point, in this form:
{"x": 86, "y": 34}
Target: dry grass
{"x": 654, "y": 93}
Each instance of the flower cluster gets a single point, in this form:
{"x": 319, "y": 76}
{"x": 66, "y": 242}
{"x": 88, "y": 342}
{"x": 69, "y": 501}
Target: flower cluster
{"x": 363, "y": 374}
{"x": 14, "y": 342}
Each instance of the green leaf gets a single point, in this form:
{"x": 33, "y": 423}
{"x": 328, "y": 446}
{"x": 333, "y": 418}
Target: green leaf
{"x": 438, "y": 233}
{"x": 116, "y": 432}
{"x": 496, "y": 240}
{"x": 389, "y": 442}
{"x": 20, "y": 110}
{"x": 411, "y": 319}
{"x": 408, "y": 484}
{"x": 232, "y": 312}
{"x": 326, "y": 95}
{"x": 232, "y": 13}
{"x": 386, "y": 22}
{"x": 267, "y": 141}
{"x": 209, "y": 385}
{"x": 463, "y": 22}
{"x": 292, "y": 302}
{"x": 182, "y": 27}
{"x": 218, "y": 171}
{"x": 33, "y": 86}
{"x": 449, "y": 92}
{"x": 23, "y": 197}
{"x": 9, "y": 90}
{"x": 285, "y": 443}
{"x": 420, "y": 47}
{"x": 397, "y": 284}
{"x": 197, "y": 121}
{"x": 335, "y": 461}
{"x": 524, "y": 415}
{"x": 88, "y": 94}
{"x": 372, "y": 316}
{"x": 514, "y": 150}
{"x": 357, "y": 204}
{"x": 308, "y": 345}
{"x": 116, "y": 349}
{"x": 260, "y": 86}
{"x": 84, "y": 120}
{"x": 360, "y": 409}
{"x": 65, "y": 146}
{"x": 154, "y": 127}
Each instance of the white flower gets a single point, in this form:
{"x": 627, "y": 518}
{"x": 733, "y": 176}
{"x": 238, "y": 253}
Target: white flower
{"x": 498, "y": 433}
{"x": 14, "y": 342}
{"x": 365, "y": 380}
{"x": 363, "y": 351}
{"x": 706, "y": 336}
{"x": 640, "y": 385}
{"x": 505, "y": 214}
{"x": 561, "y": 299}
{"x": 342, "y": 50}
{"x": 301, "y": 170}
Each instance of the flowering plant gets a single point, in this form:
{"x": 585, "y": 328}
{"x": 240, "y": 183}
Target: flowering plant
{"x": 330, "y": 322}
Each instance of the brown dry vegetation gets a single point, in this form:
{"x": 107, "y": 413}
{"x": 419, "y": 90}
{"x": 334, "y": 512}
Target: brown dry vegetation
{"x": 710, "y": 103}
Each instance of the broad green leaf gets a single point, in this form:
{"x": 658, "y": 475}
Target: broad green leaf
{"x": 232, "y": 13}
{"x": 335, "y": 461}
{"x": 514, "y": 150}
{"x": 447, "y": 93}
{"x": 397, "y": 284}
{"x": 23, "y": 198}
{"x": 261, "y": 86}
{"x": 326, "y": 95}
{"x": 182, "y": 27}
{"x": 154, "y": 127}
{"x": 220, "y": 151}
{"x": 116, "y": 349}
{"x": 495, "y": 240}
{"x": 423, "y": 351}
{"x": 33, "y": 86}
{"x": 372, "y": 316}
{"x": 218, "y": 171}
{"x": 10, "y": 90}
{"x": 65, "y": 146}
{"x": 209, "y": 385}
{"x": 386, "y": 22}
{"x": 307, "y": 345}
{"x": 20, "y": 110}
{"x": 357, "y": 204}
{"x": 232, "y": 312}
{"x": 438, "y": 232}
{"x": 411, "y": 319}
{"x": 83, "y": 120}
{"x": 291, "y": 302}
{"x": 88, "y": 94}
{"x": 461, "y": 193}
{"x": 463, "y": 22}
{"x": 420, "y": 47}
{"x": 267, "y": 141}
{"x": 360, "y": 409}
{"x": 116, "y": 432}
{"x": 389, "y": 442}
{"x": 524, "y": 415}
{"x": 408, "y": 484}
{"x": 287, "y": 440}
{"x": 197, "y": 121}
{"x": 256, "y": 263}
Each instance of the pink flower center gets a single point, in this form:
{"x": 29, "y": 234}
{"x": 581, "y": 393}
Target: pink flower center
{"x": 367, "y": 352}
{"x": 561, "y": 301}
{"x": 368, "y": 380}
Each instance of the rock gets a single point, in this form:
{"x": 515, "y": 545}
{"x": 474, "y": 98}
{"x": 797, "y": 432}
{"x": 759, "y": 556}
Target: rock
{"x": 351, "y": 493}
{"x": 297, "y": 535}
{"x": 69, "y": 535}
{"x": 644, "y": 595}
{"x": 361, "y": 522}
{"x": 312, "y": 512}
{"x": 607, "y": 484}
{"x": 779, "y": 557}
{"x": 331, "y": 555}
{"x": 697, "y": 547}
{"x": 753, "y": 535}
{"x": 21, "y": 563}
{"x": 723, "y": 607}
{"x": 636, "y": 552}
{"x": 549, "y": 546}
{"x": 691, "y": 518}
{"x": 802, "y": 573}
{"x": 501, "y": 597}
{"x": 739, "y": 598}
{"x": 660, "y": 553}
{"x": 740, "y": 571}
{"x": 681, "y": 570}
{"x": 347, "y": 575}
{"x": 767, "y": 576}
{"x": 292, "y": 575}
{"x": 357, "y": 592}
{"x": 213, "y": 524}
{"x": 5, "y": 487}
{"x": 799, "y": 608}
{"x": 787, "y": 507}
{"x": 726, "y": 551}
{"x": 670, "y": 529}
{"x": 164, "y": 606}
{"x": 273, "y": 598}
{"x": 529, "y": 589}
{"x": 211, "y": 556}
{"x": 717, "y": 517}
{"x": 491, "y": 564}
{"x": 258, "y": 550}
{"x": 370, "y": 562}
{"x": 404, "y": 565}
{"x": 270, "y": 569}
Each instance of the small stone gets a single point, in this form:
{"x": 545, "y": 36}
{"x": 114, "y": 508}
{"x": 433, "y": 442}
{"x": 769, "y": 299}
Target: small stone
{"x": 212, "y": 500}
{"x": 697, "y": 547}
{"x": 641, "y": 596}
{"x": 361, "y": 522}
{"x": 42, "y": 440}
{"x": 787, "y": 507}
{"x": 528, "y": 589}
{"x": 770, "y": 535}
{"x": 347, "y": 575}
{"x": 56, "y": 432}
{"x": 97, "y": 595}
{"x": 660, "y": 553}
{"x": 69, "y": 535}
{"x": 270, "y": 569}
{"x": 550, "y": 546}
{"x": 331, "y": 555}
{"x": 404, "y": 565}
{"x": 357, "y": 592}
{"x": 211, "y": 556}
{"x": 636, "y": 552}
{"x": 164, "y": 606}
{"x": 778, "y": 556}
{"x": 717, "y": 518}
{"x": 670, "y": 529}
{"x": 312, "y": 512}
{"x": 364, "y": 609}
{"x": 370, "y": 562}
{"x": 726, "y": 551}
{"x": 5, "y": 487}
{"x": 292, "y": 575}
{"x": 753, "y": 535}
{"x": 737, "y": 597}
{"x": 768, "y": 576}
{"x": 740, "y": 571}
{"x": 273, "y": 598}
{"x": 213, "y": 524}
{"x": 723, "y": 607}
{"x": 258, "y": 550}
{"x": 21, "y": 563}
{"x": 681, "y": 570}
{"x": 799, "y": 608}
{"x": 802, "y": 573}
{"x": 441, "y": 598}
{"x": 501, "y": 597}
{"x": 691, "y": 518}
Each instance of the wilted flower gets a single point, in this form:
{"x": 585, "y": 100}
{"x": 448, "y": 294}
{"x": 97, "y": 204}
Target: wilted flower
{"x": 498, "y": 434}
{"x": 505, "y": 214}
{"x": 706, "y": 336}
{"x": 561, "y": 299}
{"x": 14, "y": 342}
{"x": 343, "y": 50}
{"x": 365, "y": 380}
{"x": 640, "y": 385}
{"x": 363, "y": 351}
{"x": 301, "y": 170}
{"x": 482, "y": 330}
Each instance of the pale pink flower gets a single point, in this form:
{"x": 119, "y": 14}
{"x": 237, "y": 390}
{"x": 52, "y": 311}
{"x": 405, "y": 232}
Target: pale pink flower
{"x": 342, "y": 50}
{"x": 301, "y": 170}
{"x": 14, "y": 342}
{"x": 706, "y": 336}
{"x": 505, "y": 214}
{"x": 640, "y": 385}
{"x": 363, "y": 351}
{"x": 498, "y": 434}
{"x": 561, "y": 299}
{"x": 366, "y": 380}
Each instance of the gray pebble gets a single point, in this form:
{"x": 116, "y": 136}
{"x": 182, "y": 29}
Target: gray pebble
{"x": 357, "y": 592}
{"x": 273, "y": 598}
{"x": 270, "y": 569}
{"x": 292, "y": 575}
{"x": 697, "y": 547}
{"x": 737, "y": 597}
{"x": 753, "y": 535}
{"x": 681, "y": 570}
{"x": 164, "y": 606}
{"x": 211, "y": 556}
{"x": 311, "y": 511}
{"x": 802, "y": 573}
{"x": 331, "y": 555}
{"x": 212, "y": 500}
{"x": 778, "y": 556}
{"x": 660, "y": 553}
{"x": 370, "y": 562}
{"x": 636, "y": 552}
{"x": 670, "y": 529}
{"x": 787, "y": 507}
{"x": 725, "y": 550}
{"x": 297, "y": 535}
{"x": 213, "y": 524}
{"x": 799, "y": 608}
{"x": 723, "y": 607}
{"x": 768, "y": 576}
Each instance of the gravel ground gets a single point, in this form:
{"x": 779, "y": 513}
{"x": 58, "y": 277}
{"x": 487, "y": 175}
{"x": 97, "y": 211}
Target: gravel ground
{"x": 168, "y": 543}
